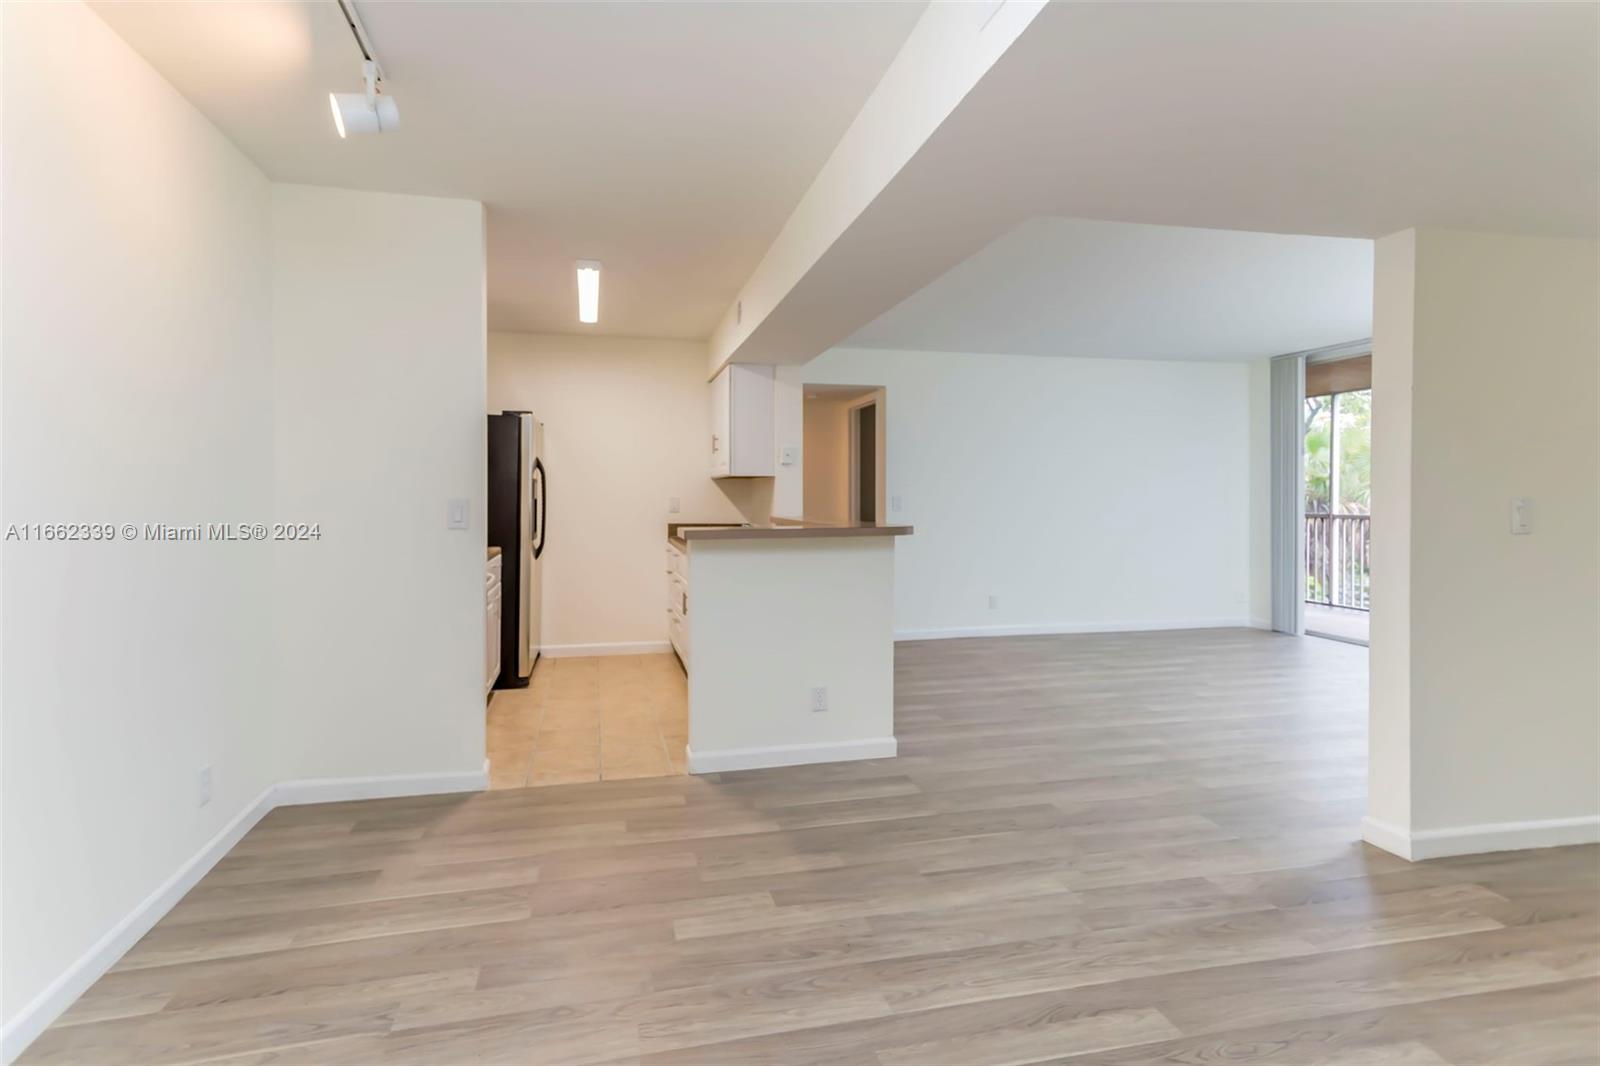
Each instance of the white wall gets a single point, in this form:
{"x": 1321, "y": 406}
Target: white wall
{"x": 827, "y": 459}
{"x": 378, "y": 379}
{"x": 1084, "y": 493}
{"x": 1488, "y": 657}
{"x": 137, "y": 389}
{"x": 186, "y": 343}
{"x": 1389, "y": 632}
{"x": 626, "y": 424}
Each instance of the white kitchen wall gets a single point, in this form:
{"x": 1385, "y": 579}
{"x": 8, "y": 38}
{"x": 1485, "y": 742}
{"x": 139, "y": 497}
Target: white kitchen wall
{"x": 1485, "y": 697}
{"x": 1084, "y": 494}
{"x": 378, "y": 383}
{"x": 137, "y": 388}
{"x": 626, "y": 423}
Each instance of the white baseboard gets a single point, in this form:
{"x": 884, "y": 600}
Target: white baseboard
{"x": 22, "y": 1028}
{"x": 1386, "y": 836}
{"x": 638, "y": 647}
{"x": 342, "y": 789}
{"x": 1420, "y": 844}
{"x": 711, "y": 762}
{"x": 1061, "y": 628}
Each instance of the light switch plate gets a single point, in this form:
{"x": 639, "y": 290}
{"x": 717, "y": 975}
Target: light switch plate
{"x": 1521, "y": 516}
{"x": 789, "y": 456}
{"x": 457, "y": 513}
{"x": 674, "y": 505}
{"x": 894, "y": 504}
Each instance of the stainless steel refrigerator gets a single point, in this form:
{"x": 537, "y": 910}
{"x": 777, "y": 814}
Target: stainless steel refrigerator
{"x": 517, "y": 522}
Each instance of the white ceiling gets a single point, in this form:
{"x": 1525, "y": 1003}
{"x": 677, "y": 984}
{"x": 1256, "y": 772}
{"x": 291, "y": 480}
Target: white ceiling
{"x": 669, "y": 141}
{"x": 1335, "y": 119}
{"x": 1113, "y": 289}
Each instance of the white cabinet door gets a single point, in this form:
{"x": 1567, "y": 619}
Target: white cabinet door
{"x": 741, "y": 421}
{"x": 721, "y": 418}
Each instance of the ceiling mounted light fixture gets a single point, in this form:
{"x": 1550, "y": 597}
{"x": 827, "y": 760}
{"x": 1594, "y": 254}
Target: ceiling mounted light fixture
{"x": 369, "y": 111}
{"x": 588, "y": 291}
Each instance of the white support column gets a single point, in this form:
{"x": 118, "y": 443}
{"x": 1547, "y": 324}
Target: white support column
{"x": 1485, "y": 703}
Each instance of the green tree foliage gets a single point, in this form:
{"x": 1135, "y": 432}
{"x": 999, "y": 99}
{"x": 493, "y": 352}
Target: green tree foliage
{"x": 1355, "y": 452}
{"x": 1317, "y": 419}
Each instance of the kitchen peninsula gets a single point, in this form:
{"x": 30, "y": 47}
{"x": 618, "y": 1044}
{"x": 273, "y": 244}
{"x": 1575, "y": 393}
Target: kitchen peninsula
{"x": 787, "y": 633}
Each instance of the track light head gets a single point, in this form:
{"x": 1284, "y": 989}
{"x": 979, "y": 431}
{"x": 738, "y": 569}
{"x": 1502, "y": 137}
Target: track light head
{"x": 364, "y": 112}
{"x": 359, "y": 113}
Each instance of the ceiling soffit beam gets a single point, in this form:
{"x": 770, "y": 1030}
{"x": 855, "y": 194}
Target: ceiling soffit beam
{"x": 947, "y": 53}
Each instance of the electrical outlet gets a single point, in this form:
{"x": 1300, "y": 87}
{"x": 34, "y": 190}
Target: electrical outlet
{"x": 819, "y": 698}
{"x": 994, "y": 602}
{"x": 674, "y": 505}
{"x": 788, "y": 456}
{"x": 205, "y": 785}
{"x": 894, "y": 504}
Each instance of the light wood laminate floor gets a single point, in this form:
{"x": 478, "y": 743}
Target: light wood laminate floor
{"x": 602, "y": 718}
{"x": 1119, "y": 849}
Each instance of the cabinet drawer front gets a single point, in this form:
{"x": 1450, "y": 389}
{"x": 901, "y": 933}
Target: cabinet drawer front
{"x": 678, "y": 634}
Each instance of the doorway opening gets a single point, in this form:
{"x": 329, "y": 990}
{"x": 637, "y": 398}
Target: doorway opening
{"x": 1337, "y": 439}
{"x": 844, "y": 448}
{"x": 864, "y": 463}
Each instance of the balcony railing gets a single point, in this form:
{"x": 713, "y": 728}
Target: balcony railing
{"x": 1338, "y": 560}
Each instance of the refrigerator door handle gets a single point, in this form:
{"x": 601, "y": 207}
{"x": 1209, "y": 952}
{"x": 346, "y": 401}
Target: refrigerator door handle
{"x": 541, "y": 508}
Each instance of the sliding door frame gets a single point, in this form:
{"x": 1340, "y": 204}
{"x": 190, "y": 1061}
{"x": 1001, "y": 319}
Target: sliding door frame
{"x": 1287, "y": 435}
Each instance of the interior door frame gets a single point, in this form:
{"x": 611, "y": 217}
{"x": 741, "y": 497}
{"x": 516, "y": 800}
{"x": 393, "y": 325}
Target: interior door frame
{"x": 875, "y": 400}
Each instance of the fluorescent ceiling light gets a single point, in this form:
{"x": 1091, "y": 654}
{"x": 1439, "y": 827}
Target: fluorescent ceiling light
{"x": 588, "y": 291}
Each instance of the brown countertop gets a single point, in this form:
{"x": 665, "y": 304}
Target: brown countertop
{"x": 779, "y": 529}
{"x": 676, "y": 537}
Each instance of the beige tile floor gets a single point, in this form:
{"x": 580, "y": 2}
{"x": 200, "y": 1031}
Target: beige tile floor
{"x": 591, "y": 719}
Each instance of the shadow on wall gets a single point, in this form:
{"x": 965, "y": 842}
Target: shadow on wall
{"x": 751, "y": 495}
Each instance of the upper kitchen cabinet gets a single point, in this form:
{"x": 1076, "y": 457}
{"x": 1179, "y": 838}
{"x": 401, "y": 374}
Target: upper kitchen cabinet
{"x": 741, "y": 421}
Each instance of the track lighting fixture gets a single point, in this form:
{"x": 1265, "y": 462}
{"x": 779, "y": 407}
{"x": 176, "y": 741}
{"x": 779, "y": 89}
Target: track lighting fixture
{"x": 369, "y": 111}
